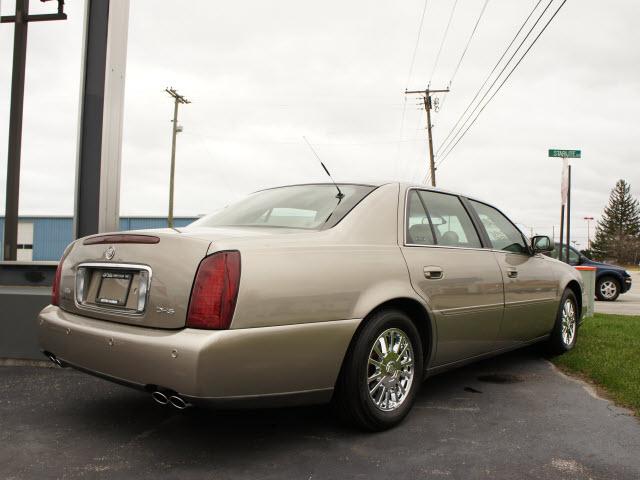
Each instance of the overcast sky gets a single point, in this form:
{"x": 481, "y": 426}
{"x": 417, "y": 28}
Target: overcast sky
{"x": 263, "y": 74}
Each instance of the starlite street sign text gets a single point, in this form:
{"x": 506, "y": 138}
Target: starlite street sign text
{"x": 564, "y": 153}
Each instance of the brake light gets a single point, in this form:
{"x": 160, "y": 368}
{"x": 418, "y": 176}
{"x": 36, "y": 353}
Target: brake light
{"x": 121, "y": 238}
{"x": 55, "y": 288}
{"x": 215, "y": 291}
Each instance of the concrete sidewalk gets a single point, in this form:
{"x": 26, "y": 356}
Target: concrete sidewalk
{"x": 512, "y": 417}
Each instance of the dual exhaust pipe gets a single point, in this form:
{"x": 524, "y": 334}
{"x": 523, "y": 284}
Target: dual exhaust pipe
{"x": 170, "y": 398}
{"x": 163, "y": 398}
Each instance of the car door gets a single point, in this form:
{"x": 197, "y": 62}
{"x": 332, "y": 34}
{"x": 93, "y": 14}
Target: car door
{"x": 530, "y": 283}
{"x": 460, "y": 281}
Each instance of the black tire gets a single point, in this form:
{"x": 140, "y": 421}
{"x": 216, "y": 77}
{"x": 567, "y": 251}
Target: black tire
{"x": 557, "y": 344}
{"x": 611, "y": 283}
{"x": 352, "y": 399}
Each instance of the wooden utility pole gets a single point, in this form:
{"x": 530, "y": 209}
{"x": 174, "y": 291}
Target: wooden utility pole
{"x": 21, "y": 20}
{"x": 427, "y": 107}
{"x": 178, "y": 99}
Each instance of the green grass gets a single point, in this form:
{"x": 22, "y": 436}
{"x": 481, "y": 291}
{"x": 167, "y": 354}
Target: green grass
{"x": 608, "y": 353}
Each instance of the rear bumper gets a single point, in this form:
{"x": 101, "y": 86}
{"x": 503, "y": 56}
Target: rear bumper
{"x": 259, "y": 366}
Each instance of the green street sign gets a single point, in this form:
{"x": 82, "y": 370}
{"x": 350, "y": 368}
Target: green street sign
{"x": 564, "y": 153}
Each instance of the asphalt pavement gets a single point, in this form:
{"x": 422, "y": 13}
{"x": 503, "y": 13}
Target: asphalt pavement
{"x": 627, "y": 303}
{"x": 512, "y": 417}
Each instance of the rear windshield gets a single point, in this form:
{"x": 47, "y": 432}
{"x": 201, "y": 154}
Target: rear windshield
{"x": 313, "y": 207}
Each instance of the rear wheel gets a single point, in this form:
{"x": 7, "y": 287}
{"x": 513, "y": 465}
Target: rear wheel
{"x": 607, "y": 289}
{"x": 381, "y": 373}
{"x": 565, "y": 331}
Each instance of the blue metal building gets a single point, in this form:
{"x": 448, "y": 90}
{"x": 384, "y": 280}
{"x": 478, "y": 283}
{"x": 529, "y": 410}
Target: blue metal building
{"x": 45, "y": 238}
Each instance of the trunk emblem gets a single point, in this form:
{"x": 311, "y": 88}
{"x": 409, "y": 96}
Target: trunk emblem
{"x": 168, "y": 311}
{"x": 109, "y": 253}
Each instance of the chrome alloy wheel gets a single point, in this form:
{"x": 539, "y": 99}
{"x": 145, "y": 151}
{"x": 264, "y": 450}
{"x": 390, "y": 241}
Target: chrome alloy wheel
{"x": 608, "y": 289}
{"x": 569, "y": 322}
{"x": 390, "y": 369}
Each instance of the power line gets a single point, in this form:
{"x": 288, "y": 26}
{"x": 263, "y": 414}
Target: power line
{"x": 489, "y": 76}
{"x": 495, "y": 80}
{"x": 416, "y": 46}
{"x": 466, "y": 47}
{"x": 453, "y": 142}
{"x": 444, "y": 38}
{"x": 411, "y": 65}
{"x": 445, "y": 145}
{"x": 252, "y": 141}
{"x": 464, "y": 52}
{"x": 504, "y": 81}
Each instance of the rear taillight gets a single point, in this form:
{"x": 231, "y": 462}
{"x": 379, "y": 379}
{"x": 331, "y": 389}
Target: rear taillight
{"x": 55, "y": 288}
{"x": 214, "y": 292}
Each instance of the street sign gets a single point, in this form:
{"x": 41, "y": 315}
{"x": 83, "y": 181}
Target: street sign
{"x": 564, "y": 153}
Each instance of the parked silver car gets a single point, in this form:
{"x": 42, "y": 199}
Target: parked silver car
{"x": 308, "y": 293}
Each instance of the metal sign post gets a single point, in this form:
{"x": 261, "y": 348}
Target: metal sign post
{"x": 21, "y": 20}
{"x": 565, "y": 193}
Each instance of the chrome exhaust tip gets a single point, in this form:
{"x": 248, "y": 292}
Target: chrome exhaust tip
{"x": 178, "y": 402}
{"x": 159, "y": 397}
{"x": 53, "y": 358}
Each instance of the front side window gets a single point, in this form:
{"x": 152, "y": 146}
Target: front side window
{"x": 445, "y": 217}
{"x": 502, "y": 233}
{"x": 313, "y": 207}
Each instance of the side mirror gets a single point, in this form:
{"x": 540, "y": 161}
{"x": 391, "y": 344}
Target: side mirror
{"x": 541, "y": 244}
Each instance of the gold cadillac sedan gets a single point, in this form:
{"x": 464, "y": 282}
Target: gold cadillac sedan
{"x": 351, "y": 293}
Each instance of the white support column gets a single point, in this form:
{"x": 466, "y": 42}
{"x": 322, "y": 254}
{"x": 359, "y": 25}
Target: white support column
{"x": 113, "y": 115}
{"x": 97, "y": 193}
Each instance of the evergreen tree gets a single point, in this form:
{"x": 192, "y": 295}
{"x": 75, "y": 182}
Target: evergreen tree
{"x": 618, "y": 230}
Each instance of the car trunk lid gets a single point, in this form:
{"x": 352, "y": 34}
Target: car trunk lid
{"x": 140, "y": 278}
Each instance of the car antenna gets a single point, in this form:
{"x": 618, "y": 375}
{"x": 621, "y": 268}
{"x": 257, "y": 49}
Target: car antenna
{"x": 340, "y": 195}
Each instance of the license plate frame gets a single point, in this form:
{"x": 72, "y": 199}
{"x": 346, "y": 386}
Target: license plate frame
{"x": 114, "y": 288}
{"x": 86, "y": 291}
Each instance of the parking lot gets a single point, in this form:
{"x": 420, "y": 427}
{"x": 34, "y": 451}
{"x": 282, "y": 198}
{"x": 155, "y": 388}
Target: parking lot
{"x": 514, "y": 417}
{"x": 626, "y": 304}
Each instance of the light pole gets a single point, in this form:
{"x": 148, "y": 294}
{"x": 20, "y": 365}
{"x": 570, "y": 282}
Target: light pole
{"x": 178, "y": 99}
{"x": 588, "y": 219}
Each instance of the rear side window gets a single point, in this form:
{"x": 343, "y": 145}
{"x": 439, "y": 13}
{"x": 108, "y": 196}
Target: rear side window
{"x": 436, "y": 218}
{"x": 418, "y": 227}
{"x": 502, "y": 233}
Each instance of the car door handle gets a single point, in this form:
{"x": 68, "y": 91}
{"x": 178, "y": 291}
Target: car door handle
{"x": 512, "y": 273}
{"x": 432, "y": 273}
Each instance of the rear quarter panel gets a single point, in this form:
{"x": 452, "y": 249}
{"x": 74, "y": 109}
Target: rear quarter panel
{"x": 338, "y": 274}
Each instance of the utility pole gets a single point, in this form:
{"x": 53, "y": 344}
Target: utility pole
{"x": 428, "y": 106}
{"x": 21, "y": 20}
{"x": 177, "y": 100}
{"x": 589, "y": 220}
{"x": 568, "y": 216}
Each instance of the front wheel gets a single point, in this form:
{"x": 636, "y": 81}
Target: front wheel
{"x": 607, "y": 289}
{"x": 565, "y": 331}
{"x": 381, "y": 373}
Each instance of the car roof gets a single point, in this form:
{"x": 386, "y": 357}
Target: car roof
{"x": 377, "y": 183}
